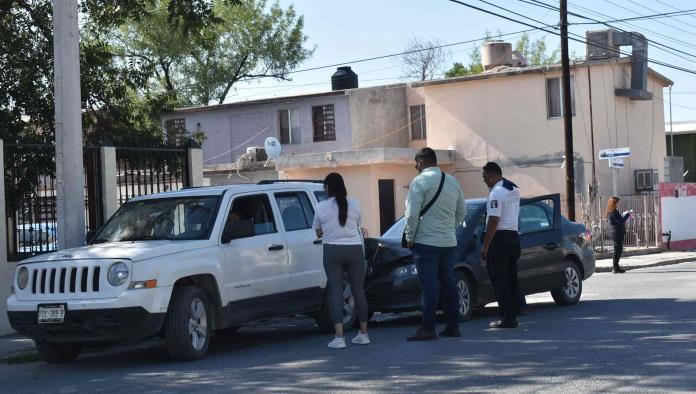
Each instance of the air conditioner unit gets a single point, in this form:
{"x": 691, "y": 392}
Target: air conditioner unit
{"x": 257, "y": 152}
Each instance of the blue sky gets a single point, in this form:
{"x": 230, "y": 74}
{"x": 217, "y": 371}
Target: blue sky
{"x": 349, "y": 30}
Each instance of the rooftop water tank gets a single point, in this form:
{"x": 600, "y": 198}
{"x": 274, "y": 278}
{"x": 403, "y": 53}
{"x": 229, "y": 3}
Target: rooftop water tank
{"x": 495, "y": 54}
{"x": 344, "y": 78}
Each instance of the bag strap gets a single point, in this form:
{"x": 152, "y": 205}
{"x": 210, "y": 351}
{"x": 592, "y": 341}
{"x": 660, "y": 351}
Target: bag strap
{"x": 437, "y": 194}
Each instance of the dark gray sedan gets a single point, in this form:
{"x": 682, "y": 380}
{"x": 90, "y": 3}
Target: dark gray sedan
{"x": 556, "y": 257}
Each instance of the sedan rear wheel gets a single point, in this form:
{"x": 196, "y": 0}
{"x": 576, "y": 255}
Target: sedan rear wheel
{"x": 465, "y": 296}
{"x": 571, "y": 291}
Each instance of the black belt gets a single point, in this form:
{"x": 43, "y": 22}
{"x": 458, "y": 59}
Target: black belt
{"x": 507, "y": 232}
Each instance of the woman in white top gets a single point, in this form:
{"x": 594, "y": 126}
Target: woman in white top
{"x": 337, "y": 222}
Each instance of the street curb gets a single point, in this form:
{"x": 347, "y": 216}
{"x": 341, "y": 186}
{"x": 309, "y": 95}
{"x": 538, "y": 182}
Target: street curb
{"x": 657, "y": 264}
{"x": 630, "y": 253}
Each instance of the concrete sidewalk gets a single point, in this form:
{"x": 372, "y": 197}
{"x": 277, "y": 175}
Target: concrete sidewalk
{"x": 648, "y": 260}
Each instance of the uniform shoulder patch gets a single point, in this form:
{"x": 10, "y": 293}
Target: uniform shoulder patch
{"x": 494, "y": 204}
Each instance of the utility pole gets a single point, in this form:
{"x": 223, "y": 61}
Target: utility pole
{"x": 567, "y": 114}
{"x": 70, "y": 179}
{"x": 671, "y": 131}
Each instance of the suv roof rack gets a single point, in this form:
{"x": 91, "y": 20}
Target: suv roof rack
{"x": 272, "y": 181}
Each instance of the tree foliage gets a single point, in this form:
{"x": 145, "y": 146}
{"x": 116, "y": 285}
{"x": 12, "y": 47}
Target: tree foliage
{"x": 536, "y": 52}
{"x": 423, "y": 59}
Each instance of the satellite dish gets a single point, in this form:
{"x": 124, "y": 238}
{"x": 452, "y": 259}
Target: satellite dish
{"x": 272, "y": 147}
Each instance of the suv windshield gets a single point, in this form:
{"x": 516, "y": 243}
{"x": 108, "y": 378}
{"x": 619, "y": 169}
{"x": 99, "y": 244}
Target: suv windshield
{"x": 397, "y": 228}
{"x": 185, "y": 218}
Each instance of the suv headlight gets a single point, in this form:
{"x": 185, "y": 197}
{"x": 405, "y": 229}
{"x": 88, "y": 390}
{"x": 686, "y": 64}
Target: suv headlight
{"x": 22, "y": 277}
{"x": 118, "y": 274}
{"x": 407, "y": 270}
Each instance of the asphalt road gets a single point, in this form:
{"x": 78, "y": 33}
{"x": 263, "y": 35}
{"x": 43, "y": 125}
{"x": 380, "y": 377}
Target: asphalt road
{"x": 634, "y": 332}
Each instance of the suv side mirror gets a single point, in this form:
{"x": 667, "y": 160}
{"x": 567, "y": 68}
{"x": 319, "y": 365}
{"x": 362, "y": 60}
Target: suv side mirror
{"x": 238, "y": 229}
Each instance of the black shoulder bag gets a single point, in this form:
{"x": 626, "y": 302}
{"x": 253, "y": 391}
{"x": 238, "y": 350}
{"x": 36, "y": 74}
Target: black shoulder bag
{"x": 425, "y": 209}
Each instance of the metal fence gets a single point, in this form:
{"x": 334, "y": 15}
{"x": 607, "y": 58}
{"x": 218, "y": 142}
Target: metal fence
{"x": 30, "y": 188}
{"x": 642, "y": 230}
{"x": 142, "y": 171}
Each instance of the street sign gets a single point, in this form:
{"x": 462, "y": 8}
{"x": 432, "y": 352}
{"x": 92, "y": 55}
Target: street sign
{"x": 616, "y": 163}
{"x": 614, "y": 153}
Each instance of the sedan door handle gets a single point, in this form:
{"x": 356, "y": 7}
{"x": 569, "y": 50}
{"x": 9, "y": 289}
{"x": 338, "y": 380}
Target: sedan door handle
{"x": 551, "y": 246}
{"x": 317, "y": 241}
{"x": 276, "y": 247}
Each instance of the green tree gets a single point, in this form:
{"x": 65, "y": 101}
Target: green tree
{"x": 251, "y": 41}
{"x": 536, "y": 53}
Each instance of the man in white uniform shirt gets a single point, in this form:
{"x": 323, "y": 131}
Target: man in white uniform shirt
{"x": 501, "y": 246}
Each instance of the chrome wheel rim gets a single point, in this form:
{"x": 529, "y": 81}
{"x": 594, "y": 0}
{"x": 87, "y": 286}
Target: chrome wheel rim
{"x": 464, "y": 297}
{"x": 198, "y": 324}
{"x": 572, "y": 285}
{"x": 348, "y": 304}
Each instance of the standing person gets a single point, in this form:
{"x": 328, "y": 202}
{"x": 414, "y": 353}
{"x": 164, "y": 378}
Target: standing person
{"x": 434, "y": 208}
{"x": 618, "y": 224}
{"x": 337, "y": 222}
{"x": 501, "y": 246}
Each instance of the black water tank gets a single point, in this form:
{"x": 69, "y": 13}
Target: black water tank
{"x": 344, "y": 78}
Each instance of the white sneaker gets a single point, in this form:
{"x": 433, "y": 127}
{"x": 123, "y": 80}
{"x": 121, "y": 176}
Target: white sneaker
{"x": 338, "y": 343}
{"x": 361, "y": 339}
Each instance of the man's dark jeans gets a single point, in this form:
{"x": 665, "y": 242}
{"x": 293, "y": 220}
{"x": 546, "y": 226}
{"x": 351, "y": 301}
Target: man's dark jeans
{"x": 435, "y": 269}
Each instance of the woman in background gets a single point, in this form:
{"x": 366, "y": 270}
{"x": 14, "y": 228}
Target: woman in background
{"x": 618, "y": 224}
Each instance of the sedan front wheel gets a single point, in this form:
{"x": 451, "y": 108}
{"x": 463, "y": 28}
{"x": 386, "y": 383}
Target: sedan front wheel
{"x": 571, "y": 291}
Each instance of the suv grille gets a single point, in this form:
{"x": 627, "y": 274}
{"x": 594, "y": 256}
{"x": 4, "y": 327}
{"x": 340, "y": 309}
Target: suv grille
{"x": 65, "y": 280}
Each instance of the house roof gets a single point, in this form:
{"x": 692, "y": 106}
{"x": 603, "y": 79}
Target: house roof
{"x": 515, "y": 71}
{"x": 239, "y": 104}
{"x": 682, "y": 127}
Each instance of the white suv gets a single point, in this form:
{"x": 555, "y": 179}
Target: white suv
{"x": 181, "y": 265}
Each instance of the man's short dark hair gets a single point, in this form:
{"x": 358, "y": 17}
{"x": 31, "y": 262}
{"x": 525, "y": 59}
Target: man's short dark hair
{"x": 427, "y": 155}
{"x": 493, "y": 168}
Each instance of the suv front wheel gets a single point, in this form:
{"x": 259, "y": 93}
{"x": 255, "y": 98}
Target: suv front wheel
{"x": 187, "y": 328}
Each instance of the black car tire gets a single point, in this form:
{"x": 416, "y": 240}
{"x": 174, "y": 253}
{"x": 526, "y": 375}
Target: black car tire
{"x": 465, "y": 296}
{"x": 571, "y": 291}
{"x": 185, "y": 317}
{"x": 323, "y": 318}
{"x": 54, "y": 353}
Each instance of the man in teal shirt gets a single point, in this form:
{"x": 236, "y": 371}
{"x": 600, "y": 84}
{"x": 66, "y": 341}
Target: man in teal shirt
{"x": 432, "y": 237}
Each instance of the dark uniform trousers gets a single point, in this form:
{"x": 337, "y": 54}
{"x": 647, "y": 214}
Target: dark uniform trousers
{"x": 503, "y": 254}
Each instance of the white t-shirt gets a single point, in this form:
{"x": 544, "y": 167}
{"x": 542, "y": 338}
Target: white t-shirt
{"x": 505, "y": 204}
{"x": 326, "y": 219}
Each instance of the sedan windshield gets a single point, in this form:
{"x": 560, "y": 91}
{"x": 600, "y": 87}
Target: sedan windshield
{"x": 161, "y": 219}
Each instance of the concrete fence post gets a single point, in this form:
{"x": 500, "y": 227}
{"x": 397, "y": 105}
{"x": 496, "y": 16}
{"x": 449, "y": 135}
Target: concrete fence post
{"x": 6, "y": 274}
{"x": 194, "y": 166}
{"x": 109, "y": 180}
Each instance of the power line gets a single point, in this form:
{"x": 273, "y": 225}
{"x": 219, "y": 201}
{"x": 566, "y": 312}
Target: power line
{"x": 658, "y": 45}
{"x": 580, "y": 40}
{"x": 638, "y": 18}
{"x": 650, "y": 9}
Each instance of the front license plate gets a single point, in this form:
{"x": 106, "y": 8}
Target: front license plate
{"x": 51, "y": 314}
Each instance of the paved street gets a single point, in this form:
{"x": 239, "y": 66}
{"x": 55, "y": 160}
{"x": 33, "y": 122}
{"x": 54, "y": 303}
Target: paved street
{"x": 631, "y": 332}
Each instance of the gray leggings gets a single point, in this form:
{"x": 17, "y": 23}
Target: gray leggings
{"x": 350, "y": 259}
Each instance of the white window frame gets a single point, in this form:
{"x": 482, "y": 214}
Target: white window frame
{"x": 424, "y": 131}
{"x": 293, "y": 138}
{"x": 560, "y": 96}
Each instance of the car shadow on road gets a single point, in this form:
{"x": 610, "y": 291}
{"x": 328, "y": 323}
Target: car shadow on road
{"x": 554, "y": 347}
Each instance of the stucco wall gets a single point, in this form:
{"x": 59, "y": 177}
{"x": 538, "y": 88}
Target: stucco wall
{"x": 379, "y": 117}
{"x": 249, "y": 126}
{"x": 505, "y": 120}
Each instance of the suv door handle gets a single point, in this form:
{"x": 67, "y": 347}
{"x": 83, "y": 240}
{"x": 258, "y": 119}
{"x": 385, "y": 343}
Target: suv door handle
{"x": 551, "y": 246}
{"x": 276, "y": 247}
{"x": 317, "y": 241}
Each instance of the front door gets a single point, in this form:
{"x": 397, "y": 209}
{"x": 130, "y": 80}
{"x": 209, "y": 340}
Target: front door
{"x": 305, "y": 253}
{"x": 256, "y": 270}
{"x": 541, "y": 260}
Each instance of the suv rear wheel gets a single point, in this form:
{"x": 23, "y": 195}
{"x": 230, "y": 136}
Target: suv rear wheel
{"x": 571, "y": 291}
{"x": 187, "y": 328}
{"x": 323, "y": 318}
{"x": 54, "y": 353}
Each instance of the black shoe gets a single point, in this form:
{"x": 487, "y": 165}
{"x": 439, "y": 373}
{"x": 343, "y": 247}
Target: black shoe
{"x": 618, "y": 271}
{"x": 504, "y": 323}
{"x": 451, "y": 332}
{"x": 422, "y": 335}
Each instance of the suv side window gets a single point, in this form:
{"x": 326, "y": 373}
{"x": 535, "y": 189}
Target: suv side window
{"x": 296, "y": 210}
{"x": 534, "y": 218}
{"x": 255, "y": 209}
